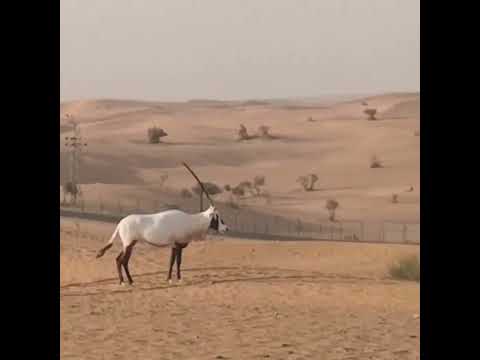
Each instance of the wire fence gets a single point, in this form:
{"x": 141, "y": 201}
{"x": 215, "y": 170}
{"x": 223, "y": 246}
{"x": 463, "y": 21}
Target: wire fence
{"x": 249, "y": 223}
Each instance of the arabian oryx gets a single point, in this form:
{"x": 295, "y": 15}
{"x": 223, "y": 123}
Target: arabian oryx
{"x": 170, "y": 228}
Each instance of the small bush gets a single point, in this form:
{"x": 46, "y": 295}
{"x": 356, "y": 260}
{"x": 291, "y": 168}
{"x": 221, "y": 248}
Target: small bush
{"x": 186, "y": 194}
{"x": 163, "y": 179}
{"x": 238, "y": 191}
{"x": 308, "y": 181}
{"x": 243, "y": 133}
{"x": 154, "y": 134}
{"x": 395, "y": 198}
{"x": 371, "y": 113}
{"x": 263, "y": 132}
{"x": 407, "y": 268}
{"x": 227, "y": 188}
{"x": 211, "y": 188}
{"x": 232, "y": 204}
{"x": 375, "y": 162}
{"x": 258, "y": 182}
{"x": 331, "y": 205}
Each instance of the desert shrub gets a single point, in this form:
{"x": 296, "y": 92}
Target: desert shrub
{"x": 238, "y": 191}
{"x": 371, "y": 113}
{"x": 310, "y": 119}
{"x": 394, "y": 198}
{"x": 258, "y": 182}
{"x": 163, "y": 179}
{"x": 303, "y": 180}
{"x": 227, "y": 188}
{"x": 186, "y": 194}
{"x": 70, "y": 188}
{"x": 307, "y": 181}
{"x": 211, "y": 188}
{"x": 268, "y": 198}
{"x": 375, "y": 162}
{"x": 331, "y": 205}
{"x": 231, "y": 203}
{"x": 243, "y": 133}
{"x": 154, "y": 134}
{"x": 407, "y": 268}
{"x": 263, "y": 131}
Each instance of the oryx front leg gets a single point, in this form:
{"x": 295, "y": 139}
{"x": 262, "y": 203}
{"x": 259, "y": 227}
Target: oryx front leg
{"x": 173, "y": 256}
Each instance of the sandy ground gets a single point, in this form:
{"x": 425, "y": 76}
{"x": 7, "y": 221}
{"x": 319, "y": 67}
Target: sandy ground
{"x": 240, "y": 299}
{"x": 118, "y": 164}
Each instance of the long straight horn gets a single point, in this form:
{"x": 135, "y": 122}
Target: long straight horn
{"x": 199, "y": 183}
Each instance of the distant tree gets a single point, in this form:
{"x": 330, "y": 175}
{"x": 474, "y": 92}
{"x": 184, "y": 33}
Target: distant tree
{"x": 371, "y": 113}
{"x": 211, "y": 188}
{"x": 308, "y": 181}
{"x": 70, "y": 188}
{"x": 186, "y": 194}
{"x": 375, "y": 162}
{"x": 163, "y": 179}
{"x": 258, "y": 182}
{"x": 263, "y": 132}
{"x": 331, "y": 205}
{"x": 154, "y": 134}
{"x": 243, "y": 133}
{"x": 394, "y": 198}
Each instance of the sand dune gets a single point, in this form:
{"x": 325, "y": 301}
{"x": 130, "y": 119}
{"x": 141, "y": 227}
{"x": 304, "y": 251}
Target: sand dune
{"x": 337, "y": 146}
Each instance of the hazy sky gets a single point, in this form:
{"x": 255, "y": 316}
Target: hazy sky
{"x": 237, "y": 49}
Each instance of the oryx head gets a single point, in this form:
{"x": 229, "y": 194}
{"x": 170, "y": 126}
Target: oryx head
{"x": 216, "y": 222}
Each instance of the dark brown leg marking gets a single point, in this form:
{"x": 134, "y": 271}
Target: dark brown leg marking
{"x": 180, "y": 248}
{"x": 126, "y": 259}
{"x": 179, "y": 262}
{"x": 173, "y": 255}
{"x": 118, "y": 260}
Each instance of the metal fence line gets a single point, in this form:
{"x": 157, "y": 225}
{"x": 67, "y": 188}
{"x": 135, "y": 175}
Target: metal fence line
{"x": 265, "y": 226}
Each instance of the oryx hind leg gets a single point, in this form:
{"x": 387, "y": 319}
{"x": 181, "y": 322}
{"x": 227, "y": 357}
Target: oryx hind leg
{"x": 126, "y": 258}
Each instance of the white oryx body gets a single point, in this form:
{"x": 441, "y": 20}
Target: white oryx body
{"x": 170, "y": 228}
{"x": 166, "y": 228}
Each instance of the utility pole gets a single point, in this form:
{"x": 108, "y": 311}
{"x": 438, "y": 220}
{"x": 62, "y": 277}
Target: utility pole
{"x": 74, "y": 145}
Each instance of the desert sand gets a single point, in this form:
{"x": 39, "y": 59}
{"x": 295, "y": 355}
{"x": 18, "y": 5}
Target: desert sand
{"x": 245, "y": 298}
{"x": 240, "y": 299}
{"x": 120, "y": 166}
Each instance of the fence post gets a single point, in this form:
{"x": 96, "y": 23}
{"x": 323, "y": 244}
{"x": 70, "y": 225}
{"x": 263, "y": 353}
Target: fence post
{"x": 82, "y": 204}
{"x": 362, "y": 235}
{"x": 266, "y": 228}
{"x": 404, "y": 233}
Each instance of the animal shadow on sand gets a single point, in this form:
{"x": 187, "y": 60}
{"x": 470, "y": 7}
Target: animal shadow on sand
{"x": 240, "y": 275}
